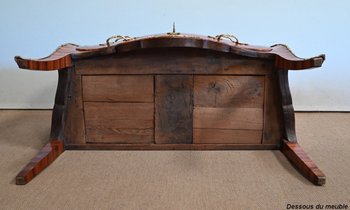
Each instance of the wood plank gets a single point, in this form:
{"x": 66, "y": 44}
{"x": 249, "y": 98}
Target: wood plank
{"x": 229, "y": 91}
{"x": 60, "y": 107}
{"x": 228, "y": 118}
{"x": 300, "y": 160}
{"x": 273, "y": 119}
{"x": 119, "y": 122}
{"x": 97, "y": 146}
{"x": 74, "y": 127}
{"x": 42, "y": 160}
{"x": 226, "y": 136}
{"x": 287, "y": 107}
{"x": 174, "y": 61}
{"x": 118, "y": 88}
{"x": 173, "y": 113}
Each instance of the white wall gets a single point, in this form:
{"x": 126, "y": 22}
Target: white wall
{"x": 35, "y": 28}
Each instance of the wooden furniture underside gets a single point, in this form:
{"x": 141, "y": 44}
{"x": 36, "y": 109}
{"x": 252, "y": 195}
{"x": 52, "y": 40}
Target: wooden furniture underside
{"x": 172, "y": 92}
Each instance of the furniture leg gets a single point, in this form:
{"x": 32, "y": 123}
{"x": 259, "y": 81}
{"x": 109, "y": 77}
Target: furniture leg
{"x": 44, "y": 158}
{"x": 301, "y": 161}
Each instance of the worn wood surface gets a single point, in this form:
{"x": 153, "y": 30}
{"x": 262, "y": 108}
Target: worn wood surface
{"x": 174, "y": 61}
{"x": 301, "y": 161}
{"x": 228, "y": 109}
{"x": 59, "y": 109}
{"x": 228, "y": 118}
{"x": 287, "y": 107}
{"x": 273, "y": 118}
{"x": 119, "y": 122}
{"x": 97, "y": 146}
{"x": 281, "y": 55}
{"x": 229, "y": 91}
{"x": 173, "y": 92}
{"x": 226, "y": 136}
{"x": 43, "y": 159}
{"x": 174, "y": 105}
{"x": 74, "y": 125}
{"x": 125, "y": 88}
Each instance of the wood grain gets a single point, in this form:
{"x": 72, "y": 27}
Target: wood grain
{"x": 229, "y": 91}
{"x": 43, "y": 159}
{"x": 74, "y": 125}
{"x": 303, "y": 163}
{"x": 62, "y": 57}
{"x": 98, "y": 146}
{"x": 119, "y": 122}
{"x": 60, "y": 106}
{"x": 174, "y": 61}
{"x": 118, "y": 88}
{"x": 273, "y": 115}
{"x": 287, "y": 107}
{"x": 228, "y": 118}
{"x": 174, "y": 104}
{"x": 226, "y": 136}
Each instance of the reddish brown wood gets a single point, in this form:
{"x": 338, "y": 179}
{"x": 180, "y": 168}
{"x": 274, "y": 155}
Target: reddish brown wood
{"x": 303, "y": 163}
{"x": 44, "y": 158}
{"x": 280, "y": 54}
{"x": 59, "y": 59}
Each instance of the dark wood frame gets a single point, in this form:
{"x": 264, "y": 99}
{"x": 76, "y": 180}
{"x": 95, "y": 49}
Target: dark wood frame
{"x": 68, "y": 103}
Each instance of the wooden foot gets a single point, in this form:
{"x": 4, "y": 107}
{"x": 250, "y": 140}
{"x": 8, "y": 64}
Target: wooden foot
{"x": 303, "y": 163}
{"x": 44, "y": 158}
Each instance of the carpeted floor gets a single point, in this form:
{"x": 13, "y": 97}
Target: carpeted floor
{"x": 173, "y": 179}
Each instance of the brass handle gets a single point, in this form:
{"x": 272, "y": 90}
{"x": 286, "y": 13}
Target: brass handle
{"x": 227, "y": 36}
{"x": 117, "y": 38}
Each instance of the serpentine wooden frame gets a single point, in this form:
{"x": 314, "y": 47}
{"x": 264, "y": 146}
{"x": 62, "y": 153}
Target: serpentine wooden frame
{"x": 63, "y": 60}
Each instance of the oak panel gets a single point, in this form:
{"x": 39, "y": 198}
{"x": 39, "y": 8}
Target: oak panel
{"x": 119, "y": 122}
{"x": 229, "y": 91}
{"x": 118, "y": 88}
{"x": 226, "y": 136}
{"x": 228, "y": 118}
{"x": 174, "y": 105}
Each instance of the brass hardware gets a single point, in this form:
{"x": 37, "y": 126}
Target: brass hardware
{"x": 227, "y": 36}
{"x": 117, "y": 38}
{"x": 174, "y": 31}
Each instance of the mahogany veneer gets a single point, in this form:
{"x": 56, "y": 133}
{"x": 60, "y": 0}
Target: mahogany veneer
{"x": 173, "y": 91}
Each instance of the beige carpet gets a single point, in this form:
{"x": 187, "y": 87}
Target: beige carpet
{"x": 173, "y": 179}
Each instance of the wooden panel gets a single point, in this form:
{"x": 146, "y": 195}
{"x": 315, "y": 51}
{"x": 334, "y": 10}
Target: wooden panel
{"x": 229, "y": 91}
{"x": 174, "y": 104}
{"x": 301, "y": 161}
{"x": 59, "y": 109}
{"x": 74, "y": 128}
{"x": 224, "y": 136}
{"x": 118, "y": 88}
{"x": 119, "y": 122}
{"x": 173, "y": 146}
{"x": 174, "y": 61}
{"x": 228, "y": 118}
{"x": 287, "y": 107}
{"x": 273, "y": 121}
{"x": 42, "y": 160}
